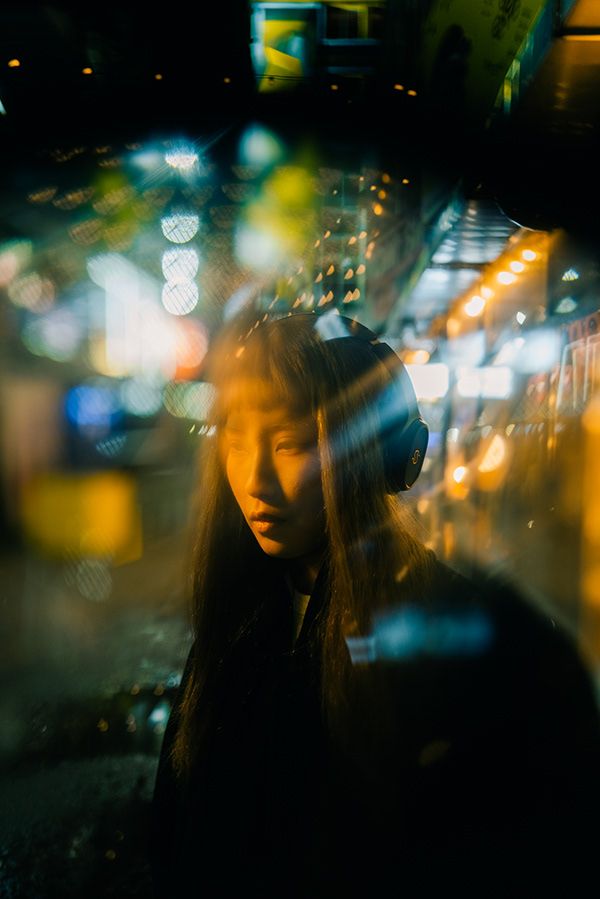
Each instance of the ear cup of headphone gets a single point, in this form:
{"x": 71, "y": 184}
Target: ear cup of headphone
{"x": 403, "y": 454}
{"x": 403, "y": 434}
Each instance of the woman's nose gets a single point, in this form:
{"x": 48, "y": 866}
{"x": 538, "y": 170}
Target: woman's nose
{"x": 262, "y": 478}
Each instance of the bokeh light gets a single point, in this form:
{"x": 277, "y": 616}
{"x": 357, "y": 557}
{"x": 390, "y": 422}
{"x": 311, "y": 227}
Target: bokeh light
{"x": 180, "y": 298}
{"x": 179, "y": 265}
{"x": 180, "y": 227}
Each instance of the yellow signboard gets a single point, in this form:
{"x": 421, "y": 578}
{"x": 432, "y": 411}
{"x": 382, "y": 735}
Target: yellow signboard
{"x": 468, "y": 47}
{"x": 83, "y": 515}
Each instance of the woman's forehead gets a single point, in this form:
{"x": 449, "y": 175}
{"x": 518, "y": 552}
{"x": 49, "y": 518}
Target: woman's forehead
{"x": 261, "y": 420}
{"x": 259, "y": 395}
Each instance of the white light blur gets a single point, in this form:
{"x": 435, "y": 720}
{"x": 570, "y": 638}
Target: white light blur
{"x": 475, "y": 306}
{"x": 567, "y": 304}
{"x": 122, "y": 287}
{"x": 494, "y": 455}
{"x": 520, "y": 317}
{"x": 179, "y": 265}
{"x": 260, "y": 250}
{"x": 459, "y": 474}
{"x": 138, "y": 338}
{"x": 57, "y": 335}
{"x": 180, "y": 227}
{"x": 440, "y": 276}
{"x": 430, "y": 382}
{"x": 104, "y": 268}
{"x": 489, "y": 382}
{"x": 529, "y": 255}
{"x": 140, "y": 398}
{"x": 441, "y": 257}
{"x": 14, "y": 256}
{"x": 180, "y": 298}
{"x": 467, "y": 349}
{"x": 33, "y": 292}
{"x": 191, "y": 400}
{"x": 506, "y": 278}
{"x": 260, "y": 147}
{"x": 452, "y": 435}
{"x": 182, "y": 158}
{"x": 571, "y": 274}
{"x": 509, "y": 352}
{"x": 198, "y": 400}
{"x": 239, "y": 299}
{"x": 540, "y": 352}
{"x": 148, "y": 160}
{"x": 516, "y": 266}
{"x": 159, "y": 714}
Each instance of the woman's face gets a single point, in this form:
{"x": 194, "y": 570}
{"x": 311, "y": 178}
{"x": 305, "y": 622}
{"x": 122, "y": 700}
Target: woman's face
{"x": 271, "y": 460}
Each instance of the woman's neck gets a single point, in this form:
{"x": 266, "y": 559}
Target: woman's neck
{"x": 303, "y": 572}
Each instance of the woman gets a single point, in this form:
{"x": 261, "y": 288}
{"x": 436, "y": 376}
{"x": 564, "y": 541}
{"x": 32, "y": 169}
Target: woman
{"x": 354, "y": 718}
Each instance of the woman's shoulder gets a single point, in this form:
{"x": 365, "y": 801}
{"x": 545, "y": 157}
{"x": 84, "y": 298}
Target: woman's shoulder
{"x": 520, "y": 640}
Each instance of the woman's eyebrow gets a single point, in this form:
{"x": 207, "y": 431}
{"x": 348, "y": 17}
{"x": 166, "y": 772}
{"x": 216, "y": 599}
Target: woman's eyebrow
{"x": 304, "y": 424}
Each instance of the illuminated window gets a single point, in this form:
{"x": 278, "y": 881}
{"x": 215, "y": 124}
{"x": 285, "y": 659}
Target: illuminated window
{"x": 357, "y": 22}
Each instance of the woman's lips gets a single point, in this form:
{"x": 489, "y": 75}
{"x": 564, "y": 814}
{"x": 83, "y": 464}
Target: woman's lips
{"x": 264, "y": 523}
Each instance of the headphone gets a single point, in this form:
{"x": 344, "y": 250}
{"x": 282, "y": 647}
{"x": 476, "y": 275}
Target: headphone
{"x": 404, "y": 435}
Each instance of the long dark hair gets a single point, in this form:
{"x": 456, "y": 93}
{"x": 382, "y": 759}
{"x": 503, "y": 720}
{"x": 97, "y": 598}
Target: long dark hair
{"x": 375, "y": 557}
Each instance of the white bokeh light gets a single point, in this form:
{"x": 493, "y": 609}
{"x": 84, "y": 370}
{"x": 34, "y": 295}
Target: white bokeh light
{"x": 180, "y": 298}
{"x": 180, "y": 227}
{"x": 181, "y": 157}
{"x": 179, "y": 265}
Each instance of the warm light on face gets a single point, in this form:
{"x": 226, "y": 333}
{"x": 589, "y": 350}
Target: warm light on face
{"x": 272, "y": 464}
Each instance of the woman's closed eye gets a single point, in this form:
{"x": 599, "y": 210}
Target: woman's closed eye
{"x": 291, "y": 446}
{"x": 236, "y": 446}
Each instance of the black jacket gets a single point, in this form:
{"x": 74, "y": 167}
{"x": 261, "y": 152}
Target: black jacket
{"x": 484, "y": 778}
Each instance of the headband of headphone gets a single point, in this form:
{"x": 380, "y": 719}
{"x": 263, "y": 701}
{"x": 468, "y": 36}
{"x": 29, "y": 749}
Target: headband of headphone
{"x": 404, "y": 435}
